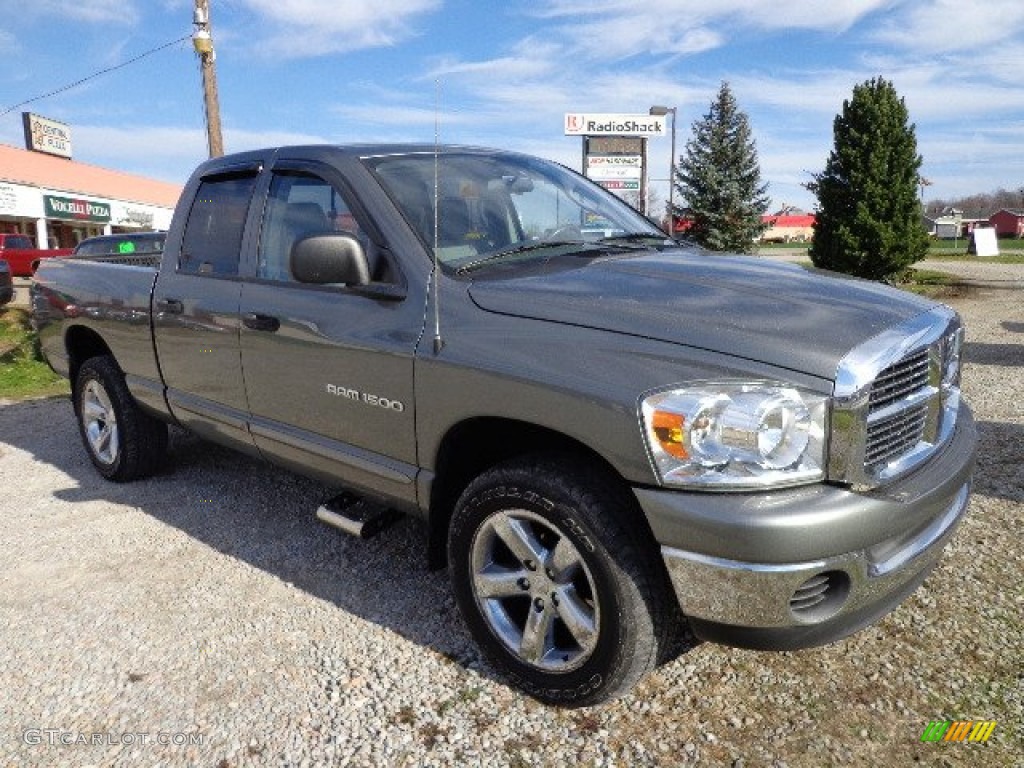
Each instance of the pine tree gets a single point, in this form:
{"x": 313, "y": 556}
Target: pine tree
{"x": 719, "y": 179}
{"x": 869, "y": 221}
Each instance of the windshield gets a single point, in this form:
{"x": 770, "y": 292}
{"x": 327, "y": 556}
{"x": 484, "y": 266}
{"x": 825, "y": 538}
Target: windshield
{"x": 493, "y": 205}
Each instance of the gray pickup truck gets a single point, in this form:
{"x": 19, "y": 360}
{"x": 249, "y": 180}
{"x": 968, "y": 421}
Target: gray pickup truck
{"x": 607, "y": 433}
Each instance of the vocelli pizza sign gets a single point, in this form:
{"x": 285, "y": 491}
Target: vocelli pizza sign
{"x": 73, "y": 208}
{"x": 614, "y": 124}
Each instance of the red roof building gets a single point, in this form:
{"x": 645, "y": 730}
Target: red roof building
{"x": 59, "y": 202}
{"x": 786, "y": 227}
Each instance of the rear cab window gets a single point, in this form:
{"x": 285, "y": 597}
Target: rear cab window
{"x": 212, "y": 242}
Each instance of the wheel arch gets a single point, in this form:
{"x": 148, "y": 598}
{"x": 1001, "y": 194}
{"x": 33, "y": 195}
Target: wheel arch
{"x": 82, "y": 343}
{"x": 473, "y": 446}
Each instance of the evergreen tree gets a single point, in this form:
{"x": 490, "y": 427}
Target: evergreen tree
{"x": 869, "y": 221}
{"x": 719, "y": 179}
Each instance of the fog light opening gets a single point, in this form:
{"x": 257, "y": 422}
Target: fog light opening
{"x": 820, "y": 597}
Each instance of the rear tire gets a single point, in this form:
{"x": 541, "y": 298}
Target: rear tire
{"x": 558, "y": 583}
{"x": 123, "y": 442}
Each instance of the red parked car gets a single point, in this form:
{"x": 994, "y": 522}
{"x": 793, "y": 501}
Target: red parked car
{"x": 20, "y": 252}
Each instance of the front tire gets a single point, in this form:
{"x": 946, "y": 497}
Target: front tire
{"x": 557, "y": 582}
{"x": 123, "y": 442}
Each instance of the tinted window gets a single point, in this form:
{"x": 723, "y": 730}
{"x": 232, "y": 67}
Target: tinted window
{"x": 17, "y": 241}
{"x": 300, "y": 205}
{"x": 88, "y": 248}
{"x": 212, "y": 242}
{"x": 127, "y": 248}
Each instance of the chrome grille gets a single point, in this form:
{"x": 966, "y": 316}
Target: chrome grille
{"x": 890, "y": 438}
{"x": 899, "y": 380}
{"x": 896, "y": 400}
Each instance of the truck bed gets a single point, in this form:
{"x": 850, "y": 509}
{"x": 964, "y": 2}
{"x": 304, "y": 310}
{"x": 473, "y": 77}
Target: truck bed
{"x": 111, "y": 300}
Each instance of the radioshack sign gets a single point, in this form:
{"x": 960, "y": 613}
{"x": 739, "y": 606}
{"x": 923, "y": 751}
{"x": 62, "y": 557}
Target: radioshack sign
{"x": 614, "y": 124}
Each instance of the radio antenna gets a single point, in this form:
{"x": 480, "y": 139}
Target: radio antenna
{"x": 438, "y": 342}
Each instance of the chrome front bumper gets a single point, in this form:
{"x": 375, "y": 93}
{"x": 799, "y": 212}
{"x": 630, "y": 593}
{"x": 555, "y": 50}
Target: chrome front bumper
{"x": 745, "y": 571}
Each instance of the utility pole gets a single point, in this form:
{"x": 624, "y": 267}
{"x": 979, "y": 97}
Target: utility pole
{"x": 203, "y": 42}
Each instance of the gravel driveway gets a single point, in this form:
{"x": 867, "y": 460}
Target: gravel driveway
{"x": 205, "y": 618}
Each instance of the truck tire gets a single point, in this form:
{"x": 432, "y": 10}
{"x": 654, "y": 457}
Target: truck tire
{"x": 123, "y": 442}
{"x": 559, "y": 586}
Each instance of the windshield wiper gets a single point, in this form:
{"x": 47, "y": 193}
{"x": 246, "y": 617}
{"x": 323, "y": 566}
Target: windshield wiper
{"x": 524, "y": 248}
{"x": 637, "y": 237}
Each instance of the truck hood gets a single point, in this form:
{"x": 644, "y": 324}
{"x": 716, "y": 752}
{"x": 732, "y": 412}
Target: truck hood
{"x": 772, "y": 312}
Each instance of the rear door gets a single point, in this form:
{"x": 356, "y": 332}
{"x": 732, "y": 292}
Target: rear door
{"x": 195, "y": 311}
{"x": 329, "y": 369}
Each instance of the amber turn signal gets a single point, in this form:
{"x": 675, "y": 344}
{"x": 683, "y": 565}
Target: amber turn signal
{"x": 668, "y": 428}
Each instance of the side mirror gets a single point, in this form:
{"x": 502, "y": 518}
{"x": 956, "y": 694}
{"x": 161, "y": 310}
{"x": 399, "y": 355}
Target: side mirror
{"x": 331, "y": 258}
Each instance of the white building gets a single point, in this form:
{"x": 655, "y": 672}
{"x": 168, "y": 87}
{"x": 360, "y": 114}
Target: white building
{"x": 59, "y": 202}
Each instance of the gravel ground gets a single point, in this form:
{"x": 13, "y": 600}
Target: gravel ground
{"x": 205, "y": 618}
{"x": 982, "y": 273}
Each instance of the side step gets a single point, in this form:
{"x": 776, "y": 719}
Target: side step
{"x": 356, "y": 516}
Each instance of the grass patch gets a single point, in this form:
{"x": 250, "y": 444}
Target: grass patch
{"x": 931, "y": 284}
{"x": 774, "y": 245}
{"x": 23, "y": 373}
{"x": 1011, "y": 251}
{"x": 928, "y": 277}
{"x": 924, "y": 282}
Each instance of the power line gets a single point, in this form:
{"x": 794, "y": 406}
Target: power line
{"x": 95, "y": 75}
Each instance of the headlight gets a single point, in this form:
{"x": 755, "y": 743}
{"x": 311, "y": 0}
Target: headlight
{"x": 736, "y": 435}
{"x": 951, "y": 347}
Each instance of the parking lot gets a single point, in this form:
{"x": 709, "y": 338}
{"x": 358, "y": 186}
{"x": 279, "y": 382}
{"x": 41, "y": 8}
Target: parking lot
{"x": 204, "y": 617}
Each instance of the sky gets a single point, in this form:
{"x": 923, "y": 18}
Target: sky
{"x": 504, "y": 74}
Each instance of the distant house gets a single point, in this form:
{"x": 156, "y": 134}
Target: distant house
{"x": 1008, "y": 223}
{"x": 951, "y": 224}
{"x": 948, "y": 226}
{"x": 789, "y": 225}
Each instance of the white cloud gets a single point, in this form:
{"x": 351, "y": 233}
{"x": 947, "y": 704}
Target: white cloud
{"x": 531, "y": 57}
{"x": 9, "y": 45}
{"x": 168, "y": 153}
{"x": 622, "y": 28}
{"x": 238, "y": 140}
{"x": 938, "y": 26}
{"x": 792, "y": 13}
{"x": 304, "y": 28}
{"x": 92, "y": 11}
{"x": 620, "y": 37}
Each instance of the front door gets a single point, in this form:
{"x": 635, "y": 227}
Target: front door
{"x": 328, "y": 369}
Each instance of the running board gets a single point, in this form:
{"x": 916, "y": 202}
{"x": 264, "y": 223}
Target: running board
{"x": 355, "y": 516}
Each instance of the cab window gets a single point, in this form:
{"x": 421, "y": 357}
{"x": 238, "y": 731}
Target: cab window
{"x": 299, "y": 205}
{"x": 212, "y": 243}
